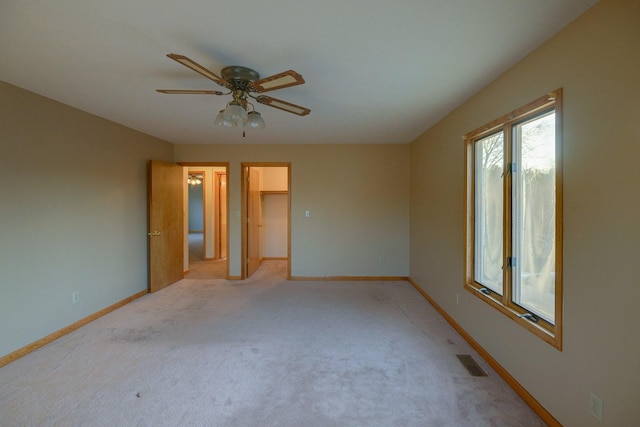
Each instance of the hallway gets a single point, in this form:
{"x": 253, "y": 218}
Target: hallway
{"x": 203, "y": 269}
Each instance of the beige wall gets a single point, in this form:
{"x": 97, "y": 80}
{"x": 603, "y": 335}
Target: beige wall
{"x": 77, "y": 216}
{"x": 358, "y": 197}
{"x": 274, "y": 225}
{"x": 596, "y": 59}
{"x": 73, "y": 214}
{"x": 274, "y": 179}
{"x": 273, "y": 212}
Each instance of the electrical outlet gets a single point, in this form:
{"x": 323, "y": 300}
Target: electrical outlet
{"x": 75, "y": 297}
{"x": 595, "y": 406}
{"x": 457, "y": 298}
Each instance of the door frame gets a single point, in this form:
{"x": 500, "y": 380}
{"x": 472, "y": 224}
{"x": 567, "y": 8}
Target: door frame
{"x": 204, "y": 210}
{"x": 224, "y": 165}
{"x": 244, "y": 191}
{"x": 217, "y": 244}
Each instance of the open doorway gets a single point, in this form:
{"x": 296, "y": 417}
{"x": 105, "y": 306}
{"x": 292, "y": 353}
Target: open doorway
{"x": 206, "y": 212}
{"x": 266, "y": 215}
{"x": 196, "y": 214}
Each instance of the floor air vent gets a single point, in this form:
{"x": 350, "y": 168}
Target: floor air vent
{"x": 472, "y": 366}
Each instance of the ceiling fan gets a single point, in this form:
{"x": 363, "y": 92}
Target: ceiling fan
{"x": 241, "y": 83}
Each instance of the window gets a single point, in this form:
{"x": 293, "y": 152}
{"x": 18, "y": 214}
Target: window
{"x": 513, "y": 256}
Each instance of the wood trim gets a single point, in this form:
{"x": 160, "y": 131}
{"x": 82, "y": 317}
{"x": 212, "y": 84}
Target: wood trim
{"x": 267, "y": 164}
{"x": 546, "y": 416}
{"x": 205, "y": 164}
{"x": 244, "y": 166}
{"x": 244, "y": 170}
{"x": 204, "y": 215}
{"x": 534, "y": 106}
{"x": 550, "y": 333}
{"x": 216, "y": 214}
{"x": 497, "y": 302}
{"x": 469, "y": 196}
{"x": 224, "y": 165}
{"x": 234, "y": 277}
{"x": 268, "y": 192}
{"x": 274, "y": 258}
{"x": 349, "y": 278}
{"x": 203, "y": 193}
{"x": 218, "y": 243}
{"x": 559, "y": 316}
{"x": 289, "y": 221}
{"x": 5, "y": 360}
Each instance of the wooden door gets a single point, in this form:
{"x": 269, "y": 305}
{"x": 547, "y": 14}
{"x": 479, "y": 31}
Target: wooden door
{"x": 166, "y": 250}
{"x": 221, "y": 215}
{"x": 253, "y": 222}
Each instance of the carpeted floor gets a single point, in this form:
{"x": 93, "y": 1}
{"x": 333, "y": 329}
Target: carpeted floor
{"x": 198, "y": 267}
{"x": 261, "y": 352}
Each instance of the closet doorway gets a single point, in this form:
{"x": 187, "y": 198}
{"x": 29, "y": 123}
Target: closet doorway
{"x": 266, "y": 213}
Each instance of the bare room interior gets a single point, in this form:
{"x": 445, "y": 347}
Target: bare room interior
{"x": 319, "y": 258}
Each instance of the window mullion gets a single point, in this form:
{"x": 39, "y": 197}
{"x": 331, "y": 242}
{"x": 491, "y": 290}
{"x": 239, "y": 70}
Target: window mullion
{"x": 507, "y": 216}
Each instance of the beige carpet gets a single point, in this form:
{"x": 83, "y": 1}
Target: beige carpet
{"x": 198, "y": 267}
{"x": 261, "y": 352}
{"x": 207, "y": 270}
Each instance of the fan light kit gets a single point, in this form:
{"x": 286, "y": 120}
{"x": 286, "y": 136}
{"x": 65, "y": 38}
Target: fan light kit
{"x": 194, "y": 179}
{"x": 241, "y": 83}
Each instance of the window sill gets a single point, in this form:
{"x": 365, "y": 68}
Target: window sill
{"x": 549, "y": 336}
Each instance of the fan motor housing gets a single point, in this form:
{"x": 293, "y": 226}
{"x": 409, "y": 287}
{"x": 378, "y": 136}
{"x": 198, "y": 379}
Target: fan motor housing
{"x": 238, "y": 73}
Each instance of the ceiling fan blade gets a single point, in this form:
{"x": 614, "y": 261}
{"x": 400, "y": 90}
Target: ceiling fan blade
{"x": 277, "y": 81}
{"x": 197, "y": 68}
{"x": 283, "y": 105}
{"x": 192, "y": 92}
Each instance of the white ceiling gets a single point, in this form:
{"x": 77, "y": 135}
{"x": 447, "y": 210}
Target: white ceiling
{"x": 376, "y": 71}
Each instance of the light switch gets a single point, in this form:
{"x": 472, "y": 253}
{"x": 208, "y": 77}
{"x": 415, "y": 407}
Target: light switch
{"x": 307, "y": 214}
